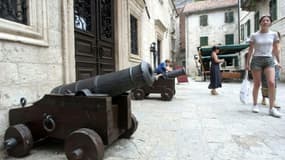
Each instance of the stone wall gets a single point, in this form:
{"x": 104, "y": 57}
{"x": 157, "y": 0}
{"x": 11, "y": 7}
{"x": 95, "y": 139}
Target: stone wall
{"x": 33, "y": 56}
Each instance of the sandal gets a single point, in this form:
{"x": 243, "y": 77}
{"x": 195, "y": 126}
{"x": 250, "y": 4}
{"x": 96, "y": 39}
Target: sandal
{"x": 263, "y": 102}
{"x": 213, "y": 92}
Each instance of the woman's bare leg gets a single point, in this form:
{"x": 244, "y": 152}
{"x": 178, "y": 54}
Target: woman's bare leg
{"x": 256, "y": 75}
{"x": 270, "y": 77}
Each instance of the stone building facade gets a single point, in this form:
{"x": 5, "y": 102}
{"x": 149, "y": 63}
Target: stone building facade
{"x": 206, "y": 25}
{"x": 41, "y": 53}
{"x": 254, "y": 10}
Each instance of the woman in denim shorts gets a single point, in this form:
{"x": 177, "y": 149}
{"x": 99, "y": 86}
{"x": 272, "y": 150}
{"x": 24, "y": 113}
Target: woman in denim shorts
{"x": 263, "y": 46}
{"x": 264, "y": 88}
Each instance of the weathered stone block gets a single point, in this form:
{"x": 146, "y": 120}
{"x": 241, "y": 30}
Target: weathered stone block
{"x": 8, "y": 74}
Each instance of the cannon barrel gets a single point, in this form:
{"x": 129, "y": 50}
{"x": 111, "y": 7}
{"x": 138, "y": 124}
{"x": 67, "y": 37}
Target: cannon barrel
{"x": 114, "y": 83}
{"x": 174, "y": 73}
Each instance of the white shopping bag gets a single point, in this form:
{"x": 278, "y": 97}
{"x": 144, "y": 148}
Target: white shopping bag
{"x": 245, "y": 89}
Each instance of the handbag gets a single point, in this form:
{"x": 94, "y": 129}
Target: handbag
{"x": 245, "y": 89}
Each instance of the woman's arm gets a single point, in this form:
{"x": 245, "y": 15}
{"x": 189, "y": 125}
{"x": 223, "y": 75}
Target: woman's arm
{"x": 277, "y": 55}
{"x": 216, "y": 59}
{"x": 276, "y": 51}
{"x": 249, "y": 53}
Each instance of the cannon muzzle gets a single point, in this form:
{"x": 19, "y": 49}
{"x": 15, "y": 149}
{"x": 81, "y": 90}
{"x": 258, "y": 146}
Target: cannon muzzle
{"x": 114, "y": 83}
{"x": 174, "y": 73}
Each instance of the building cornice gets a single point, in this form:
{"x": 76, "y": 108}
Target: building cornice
{"x": 210, "y": 10}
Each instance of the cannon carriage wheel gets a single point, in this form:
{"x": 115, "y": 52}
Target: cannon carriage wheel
{"x": 84, "y": 144}
{"x": 132, "y": 129}
{"x": 139, "y": 94}
{"x": 18, "y": 140}
{"x": 167, "y": 94}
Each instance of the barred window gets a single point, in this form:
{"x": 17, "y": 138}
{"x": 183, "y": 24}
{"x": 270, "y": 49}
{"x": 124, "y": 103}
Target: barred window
{"x": 204, "y": 20}
{"x": 134, "y": 35}
{"x": 14, "y": 10}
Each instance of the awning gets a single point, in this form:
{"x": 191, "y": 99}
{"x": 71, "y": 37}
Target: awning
{"x": 224, "y": 49}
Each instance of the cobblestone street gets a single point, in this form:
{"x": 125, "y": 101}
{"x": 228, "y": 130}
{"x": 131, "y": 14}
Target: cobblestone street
{"x": 195, "y": 126}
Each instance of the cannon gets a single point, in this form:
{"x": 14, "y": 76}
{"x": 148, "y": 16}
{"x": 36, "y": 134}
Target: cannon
{"x": 164, "y": 85}
{"x": 86, "y": 115}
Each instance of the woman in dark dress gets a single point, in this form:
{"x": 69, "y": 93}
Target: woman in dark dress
{"x": 215, "y": 75}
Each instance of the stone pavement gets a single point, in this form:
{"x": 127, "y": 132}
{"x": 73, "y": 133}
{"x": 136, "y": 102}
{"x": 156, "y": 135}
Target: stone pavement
{"x": 195, "y": 126}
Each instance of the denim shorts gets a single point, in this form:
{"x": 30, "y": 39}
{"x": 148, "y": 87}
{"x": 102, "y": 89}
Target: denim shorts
{"x": 260, "y": 62}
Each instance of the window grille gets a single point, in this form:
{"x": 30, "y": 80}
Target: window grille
{"x": 134, "y": 35}
{"x": 14, "y": 10}
{"x": 82, "y": 15}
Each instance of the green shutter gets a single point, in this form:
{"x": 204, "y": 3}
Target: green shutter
{"x": 256, "y": 21}
{"x": 203, "y": 41}
{"x": 242, "y": 32}
{"x": 273, "y": 9}
{"x": 204, "y": 20}
{"x": 229, "y": 39}
{"x": 229, "y": 17}
{"x": 248, "y": 27}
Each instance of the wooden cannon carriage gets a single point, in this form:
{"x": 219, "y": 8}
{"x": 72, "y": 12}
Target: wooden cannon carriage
{"x": 86, "y": 115}
{"x": 164, "y": 85}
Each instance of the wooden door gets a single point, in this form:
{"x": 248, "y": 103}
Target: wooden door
{"x": 94, "y": 37}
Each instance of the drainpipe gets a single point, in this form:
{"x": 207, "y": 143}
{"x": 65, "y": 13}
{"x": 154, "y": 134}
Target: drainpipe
{"x": 238, "y": 21}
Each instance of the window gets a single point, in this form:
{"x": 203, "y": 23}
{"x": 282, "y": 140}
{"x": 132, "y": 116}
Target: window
{"x": 134, "y": 35}
{"x": 242, "y": 32}
{"x": 229, "y": 39}
{"x": 14, "y": 10}
{"x": 204, "y": 20}
{"x": 229, "y": 17}
{"x": 248, "y": 27}
{"x": 24, "y": 21}
{"x": 273, "y": 9}
{"x": 203, "y": 41}
{"x": 158, "y": 52}
{"x": 256, "y": 21}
